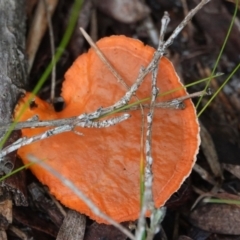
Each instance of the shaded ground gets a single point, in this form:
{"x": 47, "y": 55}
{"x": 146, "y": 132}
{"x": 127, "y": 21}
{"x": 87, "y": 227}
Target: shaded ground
{"x": 193, "y": 54}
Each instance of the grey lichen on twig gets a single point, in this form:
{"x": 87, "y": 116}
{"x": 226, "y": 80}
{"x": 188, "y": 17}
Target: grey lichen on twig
{"x": 148, "y": 202}
{"x": 61, "y": 129}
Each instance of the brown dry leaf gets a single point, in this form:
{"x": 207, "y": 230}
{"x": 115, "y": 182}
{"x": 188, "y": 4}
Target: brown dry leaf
{"x": 215, "y": 20}
{"x": 45, "y": 204}
{"x": 101, "y": 231}
{"x": 37, "y": 29}
{"x": 217, "y": 218}
{"x": 233, "y": 169}
{"x": 3, "y": 235}
{"x": 183, "y": 237}
{"x": 32, "y": 220}
{"x": 73, "y": 226}
{"x": 5, "y": 213}
{"x": 15, "y": 184}
{"x": 126, "y": 11}
{"x": 209, "y": 151}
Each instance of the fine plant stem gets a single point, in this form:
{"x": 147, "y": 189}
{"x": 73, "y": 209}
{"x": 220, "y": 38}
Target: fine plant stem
{"x": 84, "y": 121}
{"x": 219, "y": 89}
{"x": 148, "y": 202}
{"x": 51, "y": 36}
{"x": 104, "y": 59}
{"x": 81, "y": 195}
{"x": 132, "y": 106}
{"x": 65, "y": 128}
{"x": 218, "y": 58}
{"x": 185, "y": 21}
{"x": 220, "y": 201}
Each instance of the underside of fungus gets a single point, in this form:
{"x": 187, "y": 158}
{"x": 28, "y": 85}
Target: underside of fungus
{"x": 105, "y": 163}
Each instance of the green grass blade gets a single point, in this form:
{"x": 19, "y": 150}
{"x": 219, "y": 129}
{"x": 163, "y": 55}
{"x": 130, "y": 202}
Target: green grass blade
{"x": 65, "y": 40}
{"x": 15, "y": 171}
{"x": 221, "y": 201}
{"x": 219, "y": 56}
{"x": 219, "y": 89}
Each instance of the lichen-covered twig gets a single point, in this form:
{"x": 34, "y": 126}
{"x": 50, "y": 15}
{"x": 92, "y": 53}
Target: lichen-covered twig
{"x": 61, "y": 129}
{"x": 177, "y": 103}
{"x": 148, "y": 202}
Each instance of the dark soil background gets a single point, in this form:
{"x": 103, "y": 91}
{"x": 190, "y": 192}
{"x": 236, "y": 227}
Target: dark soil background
{"x": 193, "y": 54}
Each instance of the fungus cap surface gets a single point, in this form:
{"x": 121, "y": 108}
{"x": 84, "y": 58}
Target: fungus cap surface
{"x": 105, "y": 163}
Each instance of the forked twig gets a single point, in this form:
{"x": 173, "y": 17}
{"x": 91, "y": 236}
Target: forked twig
{"x": 117, "y": 76}
{"x": 64, "y": 128}
{"x": 176, "y": 103}
{"x": 148, "y": 202}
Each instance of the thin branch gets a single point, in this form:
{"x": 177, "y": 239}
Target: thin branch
{"x": 177, "y": 103}
{"x": 103, "y": 58}
{"x": 51, "y": 36}
{"x": 119, "y": 79}
{"x": 148, "y": 202}
{"x": 82, "y": 196}
{"x": 185, "y": 21}
{"x": 64, "y": 128}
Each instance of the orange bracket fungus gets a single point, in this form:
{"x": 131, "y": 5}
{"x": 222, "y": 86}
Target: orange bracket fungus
{"x": 104, "y": 163}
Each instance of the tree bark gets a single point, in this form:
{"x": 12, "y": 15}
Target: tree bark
{"x": 12, "y": 59}
{"x": 12, "y": 77}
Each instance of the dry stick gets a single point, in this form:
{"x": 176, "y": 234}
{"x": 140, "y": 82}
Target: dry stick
{"x": 51, "y": 35}
{"x": 118, "y": 77}
{"x": 103, "y": 58}
{"x": 141, "y": 227}
{"x": 176, "y": 103}
{"x": 82, "y": 196}
{"x": 65, "y": 128}
{"x": 148, "y": 202}
{"x": 84, "y": 120}
{"x": 185, "y": 21}
{"x": 143, "y": 72}
{"x": 149, "y": 159}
